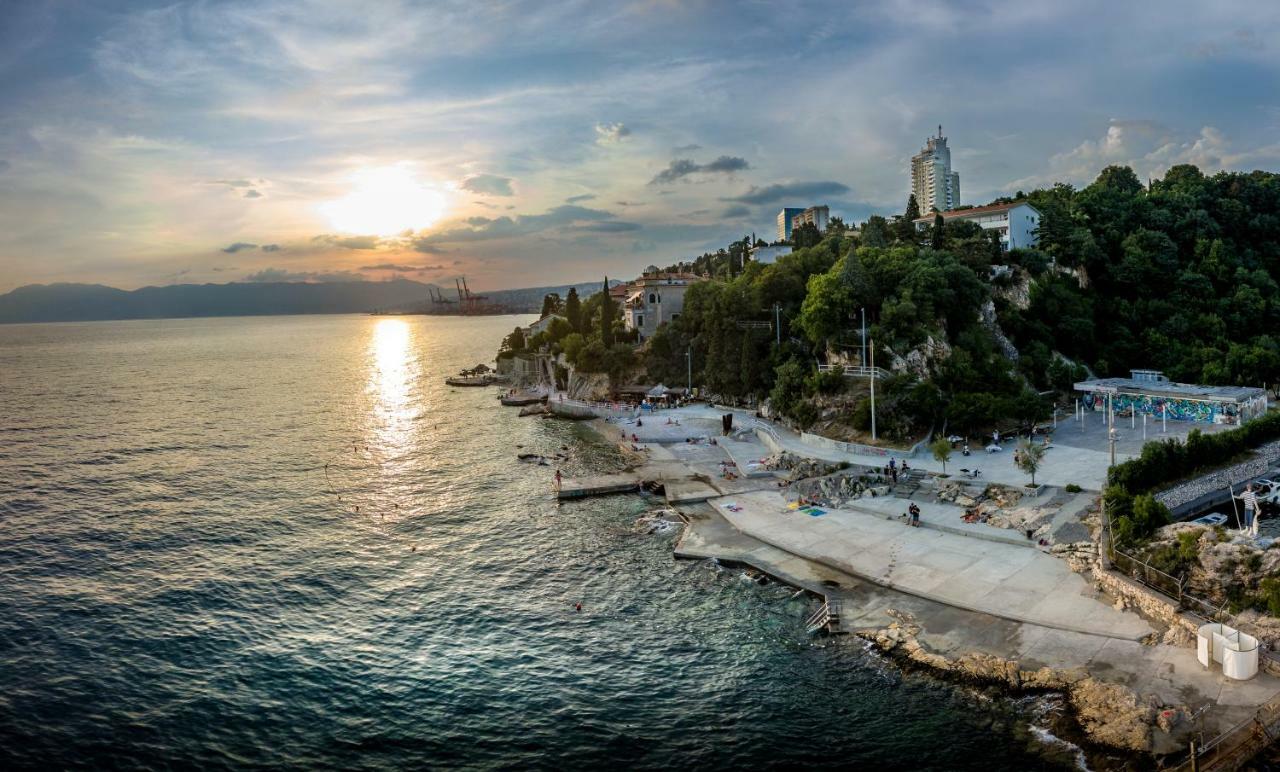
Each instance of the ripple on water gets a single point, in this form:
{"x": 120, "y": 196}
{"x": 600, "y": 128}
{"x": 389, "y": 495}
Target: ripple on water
{"x": 183, "y": 586}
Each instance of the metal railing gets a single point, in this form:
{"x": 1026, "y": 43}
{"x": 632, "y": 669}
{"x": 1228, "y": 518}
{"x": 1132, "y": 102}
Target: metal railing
{"x": 856, "y": 371}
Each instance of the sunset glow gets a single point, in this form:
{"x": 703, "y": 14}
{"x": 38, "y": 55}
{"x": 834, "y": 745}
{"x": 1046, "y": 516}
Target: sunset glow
{"x": 384, "y": 202}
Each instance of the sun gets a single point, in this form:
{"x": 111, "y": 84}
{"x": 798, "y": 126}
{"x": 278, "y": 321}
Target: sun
{"x": 385, "y": 202}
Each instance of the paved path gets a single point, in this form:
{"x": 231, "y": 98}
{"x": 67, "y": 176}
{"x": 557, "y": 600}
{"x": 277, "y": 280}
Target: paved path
{"x": 1004, "y": 580}
{"x": 1062, "y": 465}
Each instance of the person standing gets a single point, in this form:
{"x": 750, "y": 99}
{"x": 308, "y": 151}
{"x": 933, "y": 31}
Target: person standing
{"x": 1250, "y": 499}
{"x": 559, "y": 480}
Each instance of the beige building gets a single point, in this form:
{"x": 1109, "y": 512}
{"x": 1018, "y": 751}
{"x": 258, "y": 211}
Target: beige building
{"x": 655, "y": 298}
{"x": 933, "y": 183}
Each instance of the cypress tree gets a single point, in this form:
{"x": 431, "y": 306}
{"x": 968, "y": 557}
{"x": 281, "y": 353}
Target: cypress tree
{"x": 573, "y": 310}
{"x": 606, "y": 317}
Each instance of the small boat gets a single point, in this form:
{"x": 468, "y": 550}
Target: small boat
{"x": 520, "y": 399}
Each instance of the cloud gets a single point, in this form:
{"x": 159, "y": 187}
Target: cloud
{"x": 736, "y": 211}
{"x": 486, "y": 228}
{"x": 251, "y": 193}
{"x": 233, "y": 183}
{"x": 401, "y": 268}
{"x": 685, "y": 149}
{"x": 348, "y": 242}
{"x": 798, "y": 191}
{"x": 239, "y": 245}
{"x": 683, "y": 167}
{"x": 271, "y": 247}
{"x": 427, "y": 248}
{"x": 1150, "y": 149}
{"x": 608, "y": 226}
{"x": 611, "y": 133}
{"x": 488, "y": 185}
{"x": 282, "y": 275}
{"x": 580, "y": 197}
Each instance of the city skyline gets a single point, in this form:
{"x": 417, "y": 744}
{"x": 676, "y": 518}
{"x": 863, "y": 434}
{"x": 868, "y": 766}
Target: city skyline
{"x": 148, "y": 143}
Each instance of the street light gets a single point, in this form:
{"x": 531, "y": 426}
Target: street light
{"x": 688, "y": 360}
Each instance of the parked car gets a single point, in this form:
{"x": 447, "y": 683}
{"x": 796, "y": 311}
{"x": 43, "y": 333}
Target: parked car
{"x": 1211, "y": 519}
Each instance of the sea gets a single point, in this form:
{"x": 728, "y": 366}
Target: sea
{"x": 285, "y": 543}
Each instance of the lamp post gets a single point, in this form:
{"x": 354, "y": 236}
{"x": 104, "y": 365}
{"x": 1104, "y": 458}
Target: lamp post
{"x": 872, "y": 372}
{"x": 688, "y": 360}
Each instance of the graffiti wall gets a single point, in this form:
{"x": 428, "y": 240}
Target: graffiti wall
{"x": 1179, "y": 409}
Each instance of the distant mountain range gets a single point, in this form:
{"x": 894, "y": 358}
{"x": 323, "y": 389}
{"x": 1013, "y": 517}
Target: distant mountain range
{"x": 93, "y": 302}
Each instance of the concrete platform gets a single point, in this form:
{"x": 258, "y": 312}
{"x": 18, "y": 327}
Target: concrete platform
{"x": 1168, "y": 674}
{"x": 689, "y": 492}
{"x": 600, "y": 485}
{"x": 747, "y": 457}
{"x": 940, "y": 517}
{"x": 989, "y": 577}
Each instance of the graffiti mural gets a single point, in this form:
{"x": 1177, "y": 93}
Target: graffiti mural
{"x": 1178, "y": 409}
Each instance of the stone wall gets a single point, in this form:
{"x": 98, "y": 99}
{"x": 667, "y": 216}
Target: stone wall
{"x": 1151, "y": 604}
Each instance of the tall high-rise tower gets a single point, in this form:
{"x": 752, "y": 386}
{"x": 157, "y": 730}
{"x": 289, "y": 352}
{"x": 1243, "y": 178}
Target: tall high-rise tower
{"x": 932, "y": 181}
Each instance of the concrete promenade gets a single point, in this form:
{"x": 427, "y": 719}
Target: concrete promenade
{"x": 990, "y": 577}
{"x": 1063, "y": 464}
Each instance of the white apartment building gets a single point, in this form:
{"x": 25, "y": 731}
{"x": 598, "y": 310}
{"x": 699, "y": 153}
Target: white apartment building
{"x": 655, "y": 298}
{"x": 1016, "y": 222}
{"x": 934, "y": 184}
{"x": 816, "y": 216}
{"x": 768, "y": 255}
{"x": 785, "y": 218}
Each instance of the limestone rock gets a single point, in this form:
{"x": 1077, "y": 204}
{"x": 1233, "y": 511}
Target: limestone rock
{"x": 1112, "y": 714}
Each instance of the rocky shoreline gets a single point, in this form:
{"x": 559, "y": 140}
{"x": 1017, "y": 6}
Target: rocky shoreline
{"x": 1108, "y": 715}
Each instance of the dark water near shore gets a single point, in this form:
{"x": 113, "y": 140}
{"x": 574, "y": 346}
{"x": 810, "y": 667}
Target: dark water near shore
{"x": 181, "y": 586}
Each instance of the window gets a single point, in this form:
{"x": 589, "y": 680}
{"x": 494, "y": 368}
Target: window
{"x": 652, "y": 298}
{"x": 640, "y": 320}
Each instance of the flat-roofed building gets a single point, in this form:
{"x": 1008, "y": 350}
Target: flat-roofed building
{"x": 1150, "y": 392}
{"x": 1017, "y": 222}
{"x": 767, "y": 255}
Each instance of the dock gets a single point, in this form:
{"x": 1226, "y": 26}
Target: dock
{"x": 600, "y": 485}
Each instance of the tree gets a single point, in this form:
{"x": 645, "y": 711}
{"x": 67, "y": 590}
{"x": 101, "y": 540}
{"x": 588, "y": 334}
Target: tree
{"x": 807, "y": 235}
{"x": 550, "y": 304}
{"x": 606, "y": 316}
{"x": 514, "y": 341}
{"x": 907, "y": 225}
{"x": 1029, "y": 457}
{"x": 941, "y": 449}
{"x": 937, "y": 236}
{"x": 875, "y": 232}
{"x": 573, "y": 310}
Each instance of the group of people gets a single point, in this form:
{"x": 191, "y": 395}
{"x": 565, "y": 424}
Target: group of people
{"x": 913, "y": 515}
{"x": 891, "y": 469}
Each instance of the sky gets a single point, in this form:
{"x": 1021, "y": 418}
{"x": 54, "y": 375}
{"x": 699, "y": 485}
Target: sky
{"x": 526, "y": 144}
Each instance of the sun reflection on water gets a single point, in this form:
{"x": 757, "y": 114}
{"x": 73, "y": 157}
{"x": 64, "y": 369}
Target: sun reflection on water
{"x": 393, "y": 372}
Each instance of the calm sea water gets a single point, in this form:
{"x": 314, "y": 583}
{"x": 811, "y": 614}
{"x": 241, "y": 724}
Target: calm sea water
{"x": 181, "y": 585}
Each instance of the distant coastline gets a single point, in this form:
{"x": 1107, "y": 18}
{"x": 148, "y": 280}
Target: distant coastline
{"x": 39, "y": 303}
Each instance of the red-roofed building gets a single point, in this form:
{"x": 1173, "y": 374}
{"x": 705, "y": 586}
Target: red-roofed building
{"x": 1017, "y": 222}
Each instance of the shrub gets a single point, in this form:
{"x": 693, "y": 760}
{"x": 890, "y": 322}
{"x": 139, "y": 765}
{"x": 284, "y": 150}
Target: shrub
{"x": 1072, "y": 488}
{"x": 1270, "y": 596}
{"x": 824, "y": 383}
